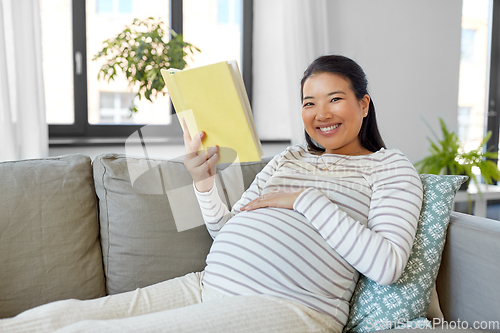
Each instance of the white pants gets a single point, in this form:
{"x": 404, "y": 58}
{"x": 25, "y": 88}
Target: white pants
{"x": 182, "y": 304}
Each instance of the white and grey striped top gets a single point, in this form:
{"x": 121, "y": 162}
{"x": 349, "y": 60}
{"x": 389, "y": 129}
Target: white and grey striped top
{"x": 358, "y": 216}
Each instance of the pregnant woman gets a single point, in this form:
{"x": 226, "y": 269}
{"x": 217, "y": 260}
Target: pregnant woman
{"x": 287, "y": 256}
{"x": 319, "y": 213}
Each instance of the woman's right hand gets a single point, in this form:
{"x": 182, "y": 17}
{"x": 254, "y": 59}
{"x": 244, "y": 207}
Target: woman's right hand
{"x": 200, "y": 164}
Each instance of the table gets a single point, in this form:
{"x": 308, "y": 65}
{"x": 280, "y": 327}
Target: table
{"x": 489, "y": 192}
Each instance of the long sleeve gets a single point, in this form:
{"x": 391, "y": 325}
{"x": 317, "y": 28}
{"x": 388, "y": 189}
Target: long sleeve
{"x": 215, "y": 212}
{"x": 379, "y": 250}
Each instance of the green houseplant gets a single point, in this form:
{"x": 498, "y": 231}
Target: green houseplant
{"x": 140, "y": 51}
{"x": 448, "y": 157}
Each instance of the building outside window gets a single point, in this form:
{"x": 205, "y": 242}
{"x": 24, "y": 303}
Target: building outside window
{"x": 114, "y": 7}
{"x": 464, "y": 128}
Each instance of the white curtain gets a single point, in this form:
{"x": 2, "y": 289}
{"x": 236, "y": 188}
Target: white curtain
{"x": 288, "y": 36}
{"x": 306, "y": 38}
{"x": 23, "y": 129}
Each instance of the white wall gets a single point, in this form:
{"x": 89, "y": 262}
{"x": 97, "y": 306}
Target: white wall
{"x": 410, "y": 51}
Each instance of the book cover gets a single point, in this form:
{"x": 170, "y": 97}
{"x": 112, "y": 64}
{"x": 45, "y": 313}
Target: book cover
{"x": 213, "y": 99}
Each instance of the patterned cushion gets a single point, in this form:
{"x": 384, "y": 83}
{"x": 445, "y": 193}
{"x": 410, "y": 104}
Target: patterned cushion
{"x": 377, "y": 307}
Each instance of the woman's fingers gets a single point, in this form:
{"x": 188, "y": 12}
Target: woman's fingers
{"x": 206, "y": 162}
{"x": 191, "y": 145}
{"x": 281, "y": 199}
{"x": 204, "y": 179}
{"x": 187, "y": 135}
{"x": 265, "y": 200}
{"x": 198, "y": 159}
{"x": 187, "y": 138}
{"x": 200, "y": 164}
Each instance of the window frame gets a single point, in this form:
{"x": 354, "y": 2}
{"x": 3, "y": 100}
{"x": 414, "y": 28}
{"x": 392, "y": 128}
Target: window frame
{"x": 83, "y": 133}
{"x": 493, "y": 115}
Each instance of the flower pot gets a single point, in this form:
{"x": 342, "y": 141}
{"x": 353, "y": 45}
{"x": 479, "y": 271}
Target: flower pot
{"x": 465, "y": 185}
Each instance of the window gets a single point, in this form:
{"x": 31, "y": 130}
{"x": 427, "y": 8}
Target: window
{"x": 473, "y": 88}
{"x": 464, "y": 128}
{"x": 81, "y": 107}
{"x": 479, "y": 85}
{"x": 105, "y": 25}
{"x": 467, "y": 45}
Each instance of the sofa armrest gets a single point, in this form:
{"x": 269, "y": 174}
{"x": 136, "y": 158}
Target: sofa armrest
{"x": 468, "y": 279}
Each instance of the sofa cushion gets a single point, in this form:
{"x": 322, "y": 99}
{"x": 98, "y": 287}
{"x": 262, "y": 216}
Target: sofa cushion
{"x": 378, "y": 307}
{"x": 49, "y": 233}
{"x": 151, "y": 225}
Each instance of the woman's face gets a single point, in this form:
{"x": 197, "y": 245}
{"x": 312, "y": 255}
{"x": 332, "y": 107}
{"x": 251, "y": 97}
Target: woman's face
{"x": 332, "y": 114}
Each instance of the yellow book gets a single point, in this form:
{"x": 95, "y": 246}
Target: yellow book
{"x": 213, "y": 99}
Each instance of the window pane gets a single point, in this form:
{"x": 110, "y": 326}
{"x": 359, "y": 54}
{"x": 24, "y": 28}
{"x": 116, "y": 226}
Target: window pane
{"x": 57, "y": 60}
{"x": 215, "y": 27}
{"x": 464, "y": 131}
{"x": 473, "y": 72}
{"x": 467, "y": 46}
{"x": 125, "y": 6}
{"x": 117, "y": 95}
{"x": 114, "y": 107}
{"x": 104, "y": 6}
{"x": 222, "y": 11}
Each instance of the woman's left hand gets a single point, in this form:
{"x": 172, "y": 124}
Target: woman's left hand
{"x": 280, "y": 199}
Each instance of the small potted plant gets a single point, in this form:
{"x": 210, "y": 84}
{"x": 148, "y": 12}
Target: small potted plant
{"x": 448, "y": 157}
{"x": 141, "y": 50}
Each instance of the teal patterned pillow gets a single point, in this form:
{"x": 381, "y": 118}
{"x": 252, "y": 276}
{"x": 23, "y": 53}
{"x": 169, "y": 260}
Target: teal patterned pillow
{"x": 376, "y": 307}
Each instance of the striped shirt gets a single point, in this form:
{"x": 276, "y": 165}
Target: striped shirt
{"x": 358, "y": 215}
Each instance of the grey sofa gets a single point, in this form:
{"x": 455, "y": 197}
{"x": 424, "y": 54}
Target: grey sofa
{"x": 73, "y": 228}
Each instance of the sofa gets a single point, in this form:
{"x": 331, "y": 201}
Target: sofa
{"x": 71, "y": 227}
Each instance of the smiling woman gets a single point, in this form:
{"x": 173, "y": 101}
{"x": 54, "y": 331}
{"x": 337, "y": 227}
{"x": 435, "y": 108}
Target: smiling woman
{"x": 319, "y": 214}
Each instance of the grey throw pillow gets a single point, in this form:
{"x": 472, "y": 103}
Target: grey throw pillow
{"x": 49, "y": 233}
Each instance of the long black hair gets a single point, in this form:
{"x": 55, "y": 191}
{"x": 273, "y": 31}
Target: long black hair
{"x": 369, "y": 135}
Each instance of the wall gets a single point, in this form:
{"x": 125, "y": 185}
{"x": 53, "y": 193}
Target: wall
{"x": 410, "y": 51}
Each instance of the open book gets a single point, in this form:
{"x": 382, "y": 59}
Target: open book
{"x": 213, "y": 99}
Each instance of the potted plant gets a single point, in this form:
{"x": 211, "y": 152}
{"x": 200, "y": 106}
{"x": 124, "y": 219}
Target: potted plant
{"x": 141, "y": 50}
{"x": 448, "y": 157}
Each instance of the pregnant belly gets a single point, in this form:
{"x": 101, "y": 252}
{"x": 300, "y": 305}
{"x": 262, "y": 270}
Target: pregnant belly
{"x": 276, "y": 249}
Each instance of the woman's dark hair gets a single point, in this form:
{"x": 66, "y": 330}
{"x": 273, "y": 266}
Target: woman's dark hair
{"x": 369, "y": 135}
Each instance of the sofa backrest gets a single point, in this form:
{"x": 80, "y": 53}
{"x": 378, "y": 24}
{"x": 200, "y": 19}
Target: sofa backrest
{"x": 49, "y": 233}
